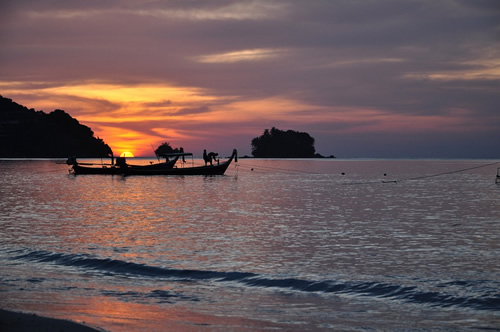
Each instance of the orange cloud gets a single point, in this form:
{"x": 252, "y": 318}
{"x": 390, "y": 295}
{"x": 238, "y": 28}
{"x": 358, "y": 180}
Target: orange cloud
{"x": 115, "y": 112}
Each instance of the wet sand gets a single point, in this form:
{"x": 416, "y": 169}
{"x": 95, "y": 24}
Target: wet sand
{"x": 15, "y": 321}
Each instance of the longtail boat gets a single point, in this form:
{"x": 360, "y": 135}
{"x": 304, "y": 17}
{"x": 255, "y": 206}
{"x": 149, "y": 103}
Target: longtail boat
{"x": 120, "y": 167}
{"x": 213, "y": 169}
{"x": 165, "y": 168}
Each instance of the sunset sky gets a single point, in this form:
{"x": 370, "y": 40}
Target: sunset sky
{"x": 368, "y": 78}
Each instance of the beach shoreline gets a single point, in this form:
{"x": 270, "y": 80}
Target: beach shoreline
{"x": 19, "y": 321}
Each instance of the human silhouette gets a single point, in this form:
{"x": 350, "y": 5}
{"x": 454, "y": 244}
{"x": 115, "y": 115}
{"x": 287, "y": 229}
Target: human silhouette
{"x": 209, "y": 157}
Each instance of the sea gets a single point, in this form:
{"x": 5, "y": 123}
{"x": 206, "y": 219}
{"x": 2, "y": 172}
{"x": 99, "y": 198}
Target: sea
{"x": 272, "y": 245}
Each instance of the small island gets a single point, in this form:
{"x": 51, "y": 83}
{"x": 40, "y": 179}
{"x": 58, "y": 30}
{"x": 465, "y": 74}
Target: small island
{"x": 26, "y": 133}
{"x": 276, "y": 143}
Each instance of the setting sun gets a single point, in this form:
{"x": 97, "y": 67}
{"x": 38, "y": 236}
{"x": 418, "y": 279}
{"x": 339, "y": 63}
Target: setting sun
{"x": 127, "y": 154}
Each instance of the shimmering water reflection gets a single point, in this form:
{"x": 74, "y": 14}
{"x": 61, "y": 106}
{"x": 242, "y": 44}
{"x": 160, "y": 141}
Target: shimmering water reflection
{"x": 288, "y": 244}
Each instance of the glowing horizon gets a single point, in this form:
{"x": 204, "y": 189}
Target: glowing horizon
{"x": 127, "y": 154}
{"x": 130, "y": 102}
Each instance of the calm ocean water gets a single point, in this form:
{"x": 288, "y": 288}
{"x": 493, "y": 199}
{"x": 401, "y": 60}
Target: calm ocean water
{"x": 274, "y": 244}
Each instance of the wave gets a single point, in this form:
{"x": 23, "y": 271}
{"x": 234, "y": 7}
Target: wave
{"x": 484, "y": 297}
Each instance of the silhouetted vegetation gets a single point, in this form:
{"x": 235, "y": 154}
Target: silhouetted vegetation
{"x": 277, "y": 143}
{"x": 165, "y": 148}
{"x": 26, "y": 133}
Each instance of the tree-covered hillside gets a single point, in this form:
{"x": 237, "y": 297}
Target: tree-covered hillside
{"x": 26, "y": 133}
{"x": 277, "y": 143}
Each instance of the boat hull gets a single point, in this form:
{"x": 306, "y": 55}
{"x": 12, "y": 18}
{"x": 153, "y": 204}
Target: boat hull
{"x": 201, "y": 170}
{"x": 104, "y": 170}
{"x": 123, "y": 169}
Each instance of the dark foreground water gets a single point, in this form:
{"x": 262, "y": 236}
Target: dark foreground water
{"x": 273, "y": 244}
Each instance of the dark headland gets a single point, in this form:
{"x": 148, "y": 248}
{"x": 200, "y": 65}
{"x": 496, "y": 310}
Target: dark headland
{"x": 26, "y": 133}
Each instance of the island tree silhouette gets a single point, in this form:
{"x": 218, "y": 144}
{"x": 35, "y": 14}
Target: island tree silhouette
{"x": 277, "y": 143}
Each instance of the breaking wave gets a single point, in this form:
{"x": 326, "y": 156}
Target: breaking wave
{"x": 484, "y": 295}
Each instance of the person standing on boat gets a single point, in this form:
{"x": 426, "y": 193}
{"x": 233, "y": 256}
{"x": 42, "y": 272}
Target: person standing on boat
{"x": 209, "y": 157}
